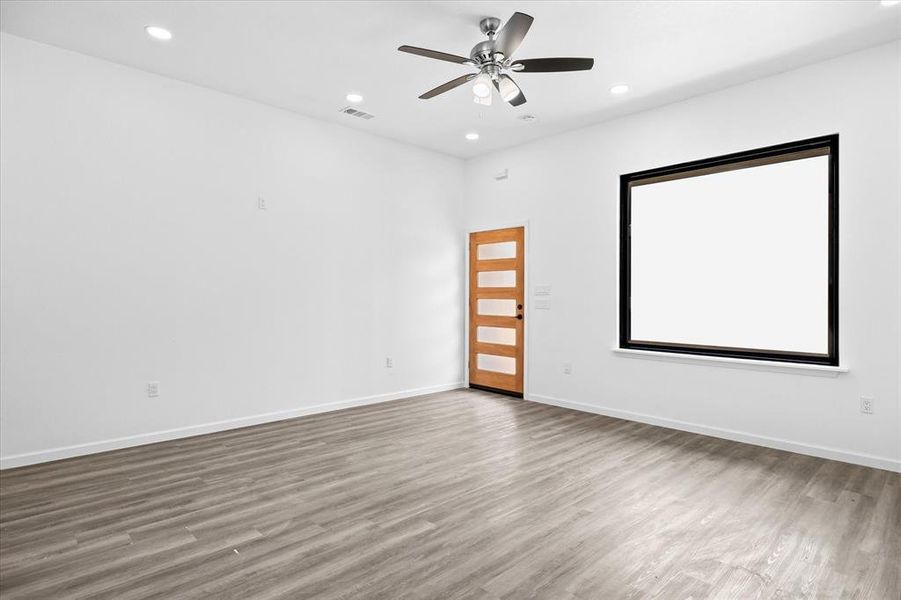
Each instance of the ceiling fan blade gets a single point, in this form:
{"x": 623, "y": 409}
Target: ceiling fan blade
{"x": 434, "y": 54}
{"x": 552, "y": 65}
{"x": 509, "y": 91}
{"x": 446, "y": 87}
{"x": 512, "y": 33}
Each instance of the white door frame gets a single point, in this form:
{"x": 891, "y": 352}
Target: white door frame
{"x": 527, "y": 313}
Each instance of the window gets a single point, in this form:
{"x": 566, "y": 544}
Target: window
{"x": 734, "y": 256}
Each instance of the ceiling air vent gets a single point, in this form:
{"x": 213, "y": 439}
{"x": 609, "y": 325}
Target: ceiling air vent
{"x": 347, "y": 110}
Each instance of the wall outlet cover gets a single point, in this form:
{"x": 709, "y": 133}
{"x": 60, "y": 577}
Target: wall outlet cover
{"x": 866, "y": 405}
{"x": 153, "y": 389}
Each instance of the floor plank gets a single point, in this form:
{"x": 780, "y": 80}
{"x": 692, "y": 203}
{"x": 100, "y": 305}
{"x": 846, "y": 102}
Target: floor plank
{"x": 460, "y": 494}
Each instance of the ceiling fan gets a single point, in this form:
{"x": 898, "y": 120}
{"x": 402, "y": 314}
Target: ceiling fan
{"x": 494, "y": 57}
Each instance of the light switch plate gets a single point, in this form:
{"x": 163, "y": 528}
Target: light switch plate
{"x": 542, "y": 303}
{"x": 542, "y": 290}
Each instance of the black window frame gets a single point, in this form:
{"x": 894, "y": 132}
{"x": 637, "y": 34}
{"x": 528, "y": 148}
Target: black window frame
{"x": 738, "y": 160}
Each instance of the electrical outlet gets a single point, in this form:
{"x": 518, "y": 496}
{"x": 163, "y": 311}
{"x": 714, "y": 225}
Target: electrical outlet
{"x": 866, "y": 405}
{"x": 153, "y": 389}
{"x": 261, "y": 203}
{"x": 389, "y": 362}
{"x": 567, "y": 368}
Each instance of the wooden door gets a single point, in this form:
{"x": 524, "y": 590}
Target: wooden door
{"x": 496, "y": 295}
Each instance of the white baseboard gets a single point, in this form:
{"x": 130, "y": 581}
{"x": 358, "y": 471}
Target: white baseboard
{"x": 856, "y": 458}
{"x": 40, "y": 456}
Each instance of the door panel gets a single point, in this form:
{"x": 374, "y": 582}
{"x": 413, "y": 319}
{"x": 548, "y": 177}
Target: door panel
{"x": 497, "y": 279}
{"x": 496, "y": 250}
{"x": 496, "y": 309}
{"x": 496, "y": 364}
{"x": 496, "y": 335}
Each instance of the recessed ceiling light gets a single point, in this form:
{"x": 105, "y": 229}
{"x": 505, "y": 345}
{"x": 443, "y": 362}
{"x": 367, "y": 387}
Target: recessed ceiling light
{"x": 355, "y": 98}
{"x": 472, "y": 136}
{"x": 890, "y": 2}
{"x": 158, "y": 32}
{"x": 619, "y": 88}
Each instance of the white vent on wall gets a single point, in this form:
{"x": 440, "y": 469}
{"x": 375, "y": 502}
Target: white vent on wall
{"x": 347, "y": 110}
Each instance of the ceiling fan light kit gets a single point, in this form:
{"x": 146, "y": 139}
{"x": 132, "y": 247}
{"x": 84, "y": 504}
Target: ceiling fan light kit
{"x": 507, "y": 89}
{"x": 482, "y": 85}
{"x": 494, "y": 58}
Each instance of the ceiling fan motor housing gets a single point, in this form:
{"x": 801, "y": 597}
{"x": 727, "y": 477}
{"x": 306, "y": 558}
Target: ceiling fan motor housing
{"x": 484, "y": 52}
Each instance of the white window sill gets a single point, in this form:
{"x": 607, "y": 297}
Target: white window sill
{"x": 734, "y": 363}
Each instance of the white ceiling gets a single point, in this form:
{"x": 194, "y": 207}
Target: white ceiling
{"x": 305, "y": 56}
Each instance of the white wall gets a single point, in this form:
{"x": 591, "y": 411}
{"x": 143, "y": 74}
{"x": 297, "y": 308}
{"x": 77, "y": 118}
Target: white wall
{"x": 567, "y": 188}
{"x": 133, "y": 251}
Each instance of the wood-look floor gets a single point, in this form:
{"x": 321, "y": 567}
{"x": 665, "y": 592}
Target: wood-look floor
{"x": 455, "y": 495}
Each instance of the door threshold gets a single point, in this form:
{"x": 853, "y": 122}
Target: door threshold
{"x": 485, "y": 388}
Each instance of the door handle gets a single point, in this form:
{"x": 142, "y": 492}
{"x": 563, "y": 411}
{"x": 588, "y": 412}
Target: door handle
{"x": 519, "y": 317}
